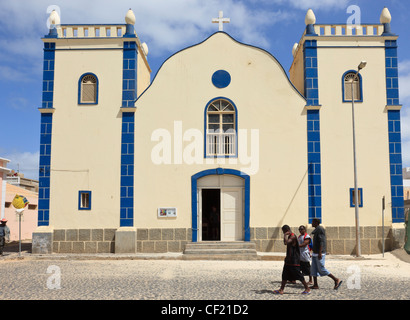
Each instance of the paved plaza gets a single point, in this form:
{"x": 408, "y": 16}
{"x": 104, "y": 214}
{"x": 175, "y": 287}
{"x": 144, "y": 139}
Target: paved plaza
{"x": 111, "y": 277}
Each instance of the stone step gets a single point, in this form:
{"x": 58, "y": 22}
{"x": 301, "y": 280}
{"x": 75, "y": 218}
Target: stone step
{"x": 217, "y": 250}
{"x": 221, "y": 245}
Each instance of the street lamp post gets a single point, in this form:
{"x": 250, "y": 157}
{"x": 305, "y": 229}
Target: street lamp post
{"x": 356, "y": 193}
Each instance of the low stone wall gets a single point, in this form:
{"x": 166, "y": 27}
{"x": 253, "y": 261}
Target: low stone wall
{"x": 340, "y": 240}
{"x": 103, "y": 240}
{"x": 163, "y": 240}
{"x": 84, "y": 240}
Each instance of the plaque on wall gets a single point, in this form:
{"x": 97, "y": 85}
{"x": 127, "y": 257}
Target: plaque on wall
{"x": 167, "y": 212}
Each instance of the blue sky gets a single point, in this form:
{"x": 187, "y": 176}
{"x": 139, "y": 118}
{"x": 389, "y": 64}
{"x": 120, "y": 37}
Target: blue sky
{"x": 166, "y": 26}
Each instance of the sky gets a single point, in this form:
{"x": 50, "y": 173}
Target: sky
{"x": 167, "y": 26}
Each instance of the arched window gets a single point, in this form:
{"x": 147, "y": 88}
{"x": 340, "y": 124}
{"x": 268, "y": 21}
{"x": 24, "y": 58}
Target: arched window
{"x": 350, "y": 77}
{"x": 221, "y": 128}
{"x": 88, "y": 89}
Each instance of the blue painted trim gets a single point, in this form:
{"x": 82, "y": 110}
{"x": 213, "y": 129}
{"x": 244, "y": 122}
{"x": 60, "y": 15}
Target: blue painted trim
{"x": 221, "y": 79}
{"x": 79, "y": 200}
{"x": 394, "y": 127}
{"x": 310, "y": 69}
{"x": 247, "y": 45}
{"x": 129, "y": 31}
{"x": 44, "y": 169}
{"x": 392, "y": 73}
{"x": 310, "y": 30}
{"x": 311, "y": 84}
{"x": 352, "y": 198}
{"x": 46, "y": 126}
{"x": 127, "y": 170}
{"x": 387, "y": 30}
{"x": 48, "y": 74}
{"x": 129, "y": 93}
{"x": 396, "y": 167}
{"x": 79, "y": 89}
{"x": 360, "y": 85}
{"x": 314, "y": 165}
{"x": 206, "y": 128}
{"x": 129, "y": 73}
{"x": 194, "y": 201}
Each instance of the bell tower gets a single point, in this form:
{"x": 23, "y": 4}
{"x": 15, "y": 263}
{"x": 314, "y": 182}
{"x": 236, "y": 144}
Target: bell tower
{"x": 92, "y": 75}
{"x": 325, "y": 69}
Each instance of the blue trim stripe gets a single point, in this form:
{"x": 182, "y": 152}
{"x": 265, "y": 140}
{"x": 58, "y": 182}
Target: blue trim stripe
{"x": 310, "y": 65}
{"x": 314, "y": 165}
{"x": 392, "y": 74}
{"x": 44, "y": 169}
{"x": 311, "y": 73}
{"x": 396, "y": 174}
{"x": 129, "y": 74}
{"x": 394, "y": 127}
{"x": 127, "y": 170}
{"x": 129, "y": 94}
{"x": 48, "y": 74}
{"x": 46, "y": 126}
{"x": 194, "y": 200}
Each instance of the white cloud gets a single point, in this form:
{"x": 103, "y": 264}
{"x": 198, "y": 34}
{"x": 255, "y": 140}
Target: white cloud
{"x": 308, "y": 4}
{"x": 164, "y": 25}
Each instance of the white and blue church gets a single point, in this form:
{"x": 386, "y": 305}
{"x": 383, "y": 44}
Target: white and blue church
{"x": 223, "y": 146}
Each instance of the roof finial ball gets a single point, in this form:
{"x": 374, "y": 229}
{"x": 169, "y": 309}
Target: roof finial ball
{"x": 310, "y": 20}
{"x": 385, "y": 19}
{"x": 130, "y": 21}
{"x": 54, "y": 20}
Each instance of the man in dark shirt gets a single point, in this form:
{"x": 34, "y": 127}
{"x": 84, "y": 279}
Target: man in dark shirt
{"x": 291, "y": 269}
{"x": 4, "y": 234}
{"x": 318, "y": 256}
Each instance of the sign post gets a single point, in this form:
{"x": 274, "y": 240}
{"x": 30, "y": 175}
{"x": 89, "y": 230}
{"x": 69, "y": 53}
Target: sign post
{"x": 19, "y": 202}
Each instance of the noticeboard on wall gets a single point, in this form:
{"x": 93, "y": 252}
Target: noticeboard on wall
{"x": 167, "y": 212}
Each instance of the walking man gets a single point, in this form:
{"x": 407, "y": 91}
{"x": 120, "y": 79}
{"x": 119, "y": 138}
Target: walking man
{"x": 4, "y": 235}
{"x": 304, "y": 241}
{"x": 291, "y": 269}
{"x": 318, "y": 256}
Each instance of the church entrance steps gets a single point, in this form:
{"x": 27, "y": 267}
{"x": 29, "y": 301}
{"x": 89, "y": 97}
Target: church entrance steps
{"x": 217, "y": 250}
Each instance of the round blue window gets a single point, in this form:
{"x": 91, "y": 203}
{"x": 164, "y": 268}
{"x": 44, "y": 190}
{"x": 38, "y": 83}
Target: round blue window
{"x": 221, "y": 79}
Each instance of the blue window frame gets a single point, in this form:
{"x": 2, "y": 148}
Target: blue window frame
{"x": 88, "y": 89}
{"x": 221, "y": 129}
{"x": 347, "y": 79}
{"x": 352, "y": 197}
{"x": 84, "y": 200}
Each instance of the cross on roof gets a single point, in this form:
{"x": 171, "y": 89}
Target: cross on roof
{"x": 221, "y": 20}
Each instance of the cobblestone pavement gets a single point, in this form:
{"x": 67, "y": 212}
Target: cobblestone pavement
{"x": 375, "y": 277}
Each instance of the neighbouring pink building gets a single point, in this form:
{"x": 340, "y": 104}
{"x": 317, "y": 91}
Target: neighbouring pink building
{"x": 3, "y": 174}
{"x": 30, "y": 215}
{"x": 7, "y": 194}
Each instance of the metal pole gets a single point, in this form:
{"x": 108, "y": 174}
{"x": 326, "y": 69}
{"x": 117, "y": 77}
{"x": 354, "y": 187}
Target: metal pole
{"x": 356, "y": 194}
{"x": 19, "y": 234}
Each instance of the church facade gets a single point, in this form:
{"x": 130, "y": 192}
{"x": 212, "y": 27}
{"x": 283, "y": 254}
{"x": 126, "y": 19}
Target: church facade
{"x": 222, "y": 145}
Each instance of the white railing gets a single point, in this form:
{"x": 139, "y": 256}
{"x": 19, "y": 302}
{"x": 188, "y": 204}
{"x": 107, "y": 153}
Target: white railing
{"x": 13, "y": 180}
{"x": 90, "y": 31}
{"x": 349, "y": 29}
{"x": 221, "y": 144}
